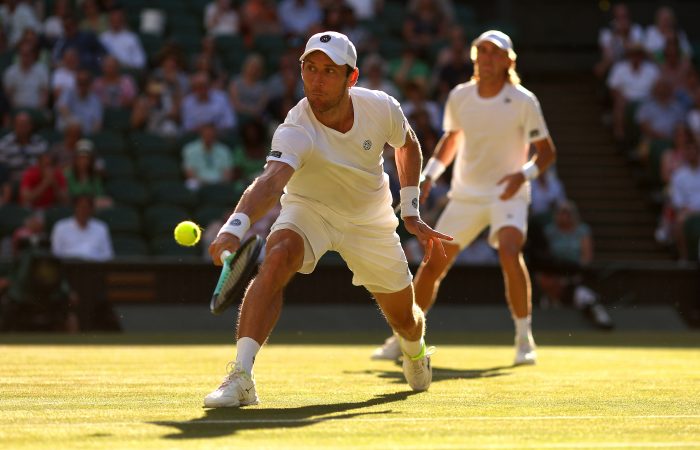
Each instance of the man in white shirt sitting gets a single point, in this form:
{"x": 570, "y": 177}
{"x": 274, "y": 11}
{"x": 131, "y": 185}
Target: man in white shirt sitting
{"x": 122, "y": 43}
{"x": 82, "y": 236}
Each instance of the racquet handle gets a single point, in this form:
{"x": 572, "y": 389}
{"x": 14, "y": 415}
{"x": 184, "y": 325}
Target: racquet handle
{"x": 225, "y": 254}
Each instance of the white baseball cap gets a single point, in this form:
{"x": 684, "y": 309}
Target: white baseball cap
{"x": 498, "y": 38}
{"x": 336, "y": 45}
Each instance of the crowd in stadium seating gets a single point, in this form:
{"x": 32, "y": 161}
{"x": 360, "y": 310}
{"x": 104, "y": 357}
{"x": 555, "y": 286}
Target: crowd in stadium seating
{"x": 655, "y": 92}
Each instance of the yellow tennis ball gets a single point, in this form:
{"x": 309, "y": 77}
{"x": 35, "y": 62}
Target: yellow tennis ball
{"x": 187, "y": 233}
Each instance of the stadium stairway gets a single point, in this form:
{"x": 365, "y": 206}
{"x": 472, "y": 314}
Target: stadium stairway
{"x": 595, "y": 175}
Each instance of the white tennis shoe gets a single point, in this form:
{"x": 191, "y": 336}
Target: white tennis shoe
{"x": 417, "y": 370}
{"x": 525, "y": 351}
{"x": 237, "y": 389}
{"x": 390, "y": 350}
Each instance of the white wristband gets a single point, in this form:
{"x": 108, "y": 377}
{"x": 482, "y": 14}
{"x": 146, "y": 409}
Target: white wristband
{"x": 409, "y": 201}
{"x": 433, "y": 169}
{"x": 530, "y": 170}
{"x": 237, "y": 225}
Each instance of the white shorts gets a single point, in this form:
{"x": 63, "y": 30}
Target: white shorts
{"x": 464, "y": 220}
{"x": 372, "y": 252}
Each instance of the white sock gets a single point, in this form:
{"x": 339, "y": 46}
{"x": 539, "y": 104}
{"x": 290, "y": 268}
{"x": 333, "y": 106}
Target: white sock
{"x": 246, "y": 349}
{"x": 523, "y": 327}
{"x": 411, "y": 348}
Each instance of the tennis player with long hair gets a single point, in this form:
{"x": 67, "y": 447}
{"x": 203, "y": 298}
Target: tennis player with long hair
{"x": 327, "y": 160}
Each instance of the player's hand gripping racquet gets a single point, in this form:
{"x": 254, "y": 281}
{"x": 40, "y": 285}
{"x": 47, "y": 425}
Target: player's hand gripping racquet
{"x": 238, "y": 270}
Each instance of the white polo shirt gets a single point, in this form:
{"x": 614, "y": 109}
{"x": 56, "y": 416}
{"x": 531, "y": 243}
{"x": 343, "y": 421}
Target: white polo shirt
{"x": 497, "y": 135}
{"x": 342, "y": 171}
{"x": 92, "y": 243}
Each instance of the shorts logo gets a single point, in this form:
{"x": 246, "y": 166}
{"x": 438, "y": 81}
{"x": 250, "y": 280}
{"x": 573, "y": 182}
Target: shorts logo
{"x": 507, "y": 100}
{"x": 325, "y": 38}
{"x": 275, "y": 154}
{"x": 367, "y": 144}
{"x": 235, "y": 222}
{"x": 534, "y": 133}
{"x": 414, "y": 203}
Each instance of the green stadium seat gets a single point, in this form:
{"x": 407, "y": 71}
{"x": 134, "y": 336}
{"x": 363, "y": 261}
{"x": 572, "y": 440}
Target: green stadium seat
{"x": 152, "y": 43}
{"x": 51, "y": 135}
{"x": 162, "y": 218}
{"x": 121, "y": 219}
{"x": 11, "y": 217}
{"x": 225, "y": 195}
{"x": 206, "y": 214}
{"x": 159, "y": 167}
{"x": 117, "y": 119}
{"x": 165, "y": 245}
{"x": 691, "y": 229}
{"x": 144, "y": 143}
{"x": 6, "y": 59}
{"x": 394, "y": 16}
{"x": 125, "y": 245}
{"x": 465, "y": 14}
{"x": 118, "y": 166}
{"x": 128, "y": 191}
{"x": 173, "y": 192}
{"x": 108, "y": 141}
{"x": 56, "y": 213}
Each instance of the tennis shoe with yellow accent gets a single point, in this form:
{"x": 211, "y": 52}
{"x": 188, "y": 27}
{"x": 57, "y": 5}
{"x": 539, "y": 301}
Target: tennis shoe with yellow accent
{"x": 237, "y": 389}
{"x": 418, "y": 370}
{"x": 525, "y": 353}
{"x": 390, "y": 350}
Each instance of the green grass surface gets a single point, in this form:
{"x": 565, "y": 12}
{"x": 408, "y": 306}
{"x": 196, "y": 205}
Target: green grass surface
{"x": 143, "y": 392}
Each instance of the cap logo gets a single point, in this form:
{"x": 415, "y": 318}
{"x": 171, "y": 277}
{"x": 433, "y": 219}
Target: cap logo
{"x": 325, "y": 38}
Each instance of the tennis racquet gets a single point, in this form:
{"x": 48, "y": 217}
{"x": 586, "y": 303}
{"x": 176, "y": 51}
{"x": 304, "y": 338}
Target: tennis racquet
{"x": 238, "y": 270}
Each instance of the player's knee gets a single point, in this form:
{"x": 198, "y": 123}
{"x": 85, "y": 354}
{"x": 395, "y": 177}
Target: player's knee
{"x": 284, "y": 256}
{"x": 509, "y": 255}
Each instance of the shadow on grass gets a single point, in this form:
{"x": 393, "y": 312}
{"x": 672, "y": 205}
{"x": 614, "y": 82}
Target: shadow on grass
{"x": 439, "y": 373}
{"x": 228, "y": 421}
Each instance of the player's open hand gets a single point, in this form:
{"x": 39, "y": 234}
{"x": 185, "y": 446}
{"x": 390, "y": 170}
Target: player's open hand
{"x": 224, "y": 241}
{"x": 512, "y": 182}
{"x": 427, "y": 237}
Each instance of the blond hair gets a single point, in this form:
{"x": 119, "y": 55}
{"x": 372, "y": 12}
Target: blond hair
{"x": 511, "y": 75}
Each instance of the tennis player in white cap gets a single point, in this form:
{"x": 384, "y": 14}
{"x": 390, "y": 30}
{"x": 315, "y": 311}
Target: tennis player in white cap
{"x": 326, "y": 163}
{"x": 489, "y": 126}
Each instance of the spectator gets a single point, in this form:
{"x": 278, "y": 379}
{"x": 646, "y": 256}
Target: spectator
{"x": 65, "y": 149}
{"x": 665, "y": 28}
{"x": 208, "y": 60}
{"x": 453, "y": 65}
{"x": 82, "y": 236}
{"x": 427, "y": 134}
{"x": 156, "y": 111}
{"x": 63, "y": 78}
{"x": 259, "y": 17}
{"x": 220, "y": 18}
{"x": 674, "y": 68}
{"x": 365, "y": 9}
{"x": 416, "y": 98}
{"x": 409, "y": 67}
{"x": 614, "y": 39}
{"x": 685, "y": 195}
{"x": 16, "y": 16}
{"x": 41, "y": 47}
{"x": 298, "y": 16}
{"x": 206, "y": 105}
{"x": 53, "y": 25}
{"x": 630, "y": 81}
{"x": 85, "y": 42}
{"x": 20, "y": 148}
{"x": 570, "y": 247}
{"x": 114, "y": 89}
{"x": 286, "y": 73}
{"x": 80, "y": 104}
{"x": 27, "y": 81}
{"x": 673, "y": 158}
{"x": 83, "y": 177}
{"x": 43, "y": 184}
{"x": 546, "y": 193}
{"x": 122, "y": 43}
{"x": 658, "y": 116}
{"x": 249, "y": 155}
{"x": 357, "y": 33}
{"x": 172, "y": 76}
{"x": 94, "y": 20}
{"x": 32, "y": 233}
{"x": 693, "y": 117}
{"x": 248, "y": 90}
{"x": 206, "y": 161}
{"x": 424, "y": 26}
{"x": 374, "y": 76}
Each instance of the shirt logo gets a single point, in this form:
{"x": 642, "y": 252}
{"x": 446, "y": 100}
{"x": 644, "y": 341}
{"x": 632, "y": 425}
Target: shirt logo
{"x": 507, "y": 100}
{"x": 275, "y": 154}
{"x": 534, "y": 133}
{"x": 325, "y": 38}
{"x": 367, "y": 144}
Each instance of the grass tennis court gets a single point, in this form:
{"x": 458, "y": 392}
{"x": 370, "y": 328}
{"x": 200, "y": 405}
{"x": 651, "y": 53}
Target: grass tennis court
{"x": 617, "y": 390}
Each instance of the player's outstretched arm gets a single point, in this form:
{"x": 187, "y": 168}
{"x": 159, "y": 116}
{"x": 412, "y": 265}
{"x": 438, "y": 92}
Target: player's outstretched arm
{"x": 256, "y": 201}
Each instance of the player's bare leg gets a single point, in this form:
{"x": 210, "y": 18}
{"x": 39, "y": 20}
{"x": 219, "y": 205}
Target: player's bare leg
{"x": 408, "y": 322}
{"x": 518, "y": 291}
{"x": 426, "y": 284}
{"x": 259, "y": 313}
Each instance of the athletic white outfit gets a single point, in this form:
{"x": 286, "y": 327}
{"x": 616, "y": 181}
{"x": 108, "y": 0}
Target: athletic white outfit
{"x": 497, "y": 133}
{"x": 338, "y": 197}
